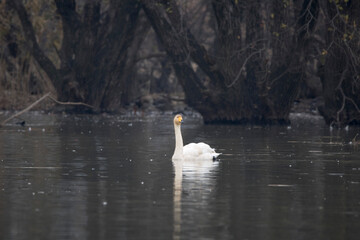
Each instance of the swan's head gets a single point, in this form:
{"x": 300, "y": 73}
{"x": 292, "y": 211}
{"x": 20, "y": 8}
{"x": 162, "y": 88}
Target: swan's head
{"x": 178, "y": 119}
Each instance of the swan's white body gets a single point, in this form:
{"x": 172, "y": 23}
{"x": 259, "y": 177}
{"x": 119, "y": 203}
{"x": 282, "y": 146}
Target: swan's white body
{"x": 191, "y": 151}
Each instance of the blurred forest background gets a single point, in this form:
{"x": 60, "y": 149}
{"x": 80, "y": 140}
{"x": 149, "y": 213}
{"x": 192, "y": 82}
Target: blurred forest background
{"x": 231, "y": 60}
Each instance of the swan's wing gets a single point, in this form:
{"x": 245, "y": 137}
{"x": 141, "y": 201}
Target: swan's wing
{"x": 204, "y": 147}
{"x": 200, "y": 151}
{"x": 192, "y": 149}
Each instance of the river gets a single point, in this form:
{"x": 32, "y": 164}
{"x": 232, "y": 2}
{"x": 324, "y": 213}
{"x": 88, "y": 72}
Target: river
{"x": 111, "y": 177}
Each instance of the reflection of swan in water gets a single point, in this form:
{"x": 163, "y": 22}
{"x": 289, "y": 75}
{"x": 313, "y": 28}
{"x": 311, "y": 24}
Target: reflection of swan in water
{"x": 192, "y": 177}
{"x": 192, "y": 151}
{"x": 193, "y": 167}
{"x": 178, "y": 166}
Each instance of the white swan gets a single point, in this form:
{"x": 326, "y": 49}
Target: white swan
{"x": 191, "y": 151}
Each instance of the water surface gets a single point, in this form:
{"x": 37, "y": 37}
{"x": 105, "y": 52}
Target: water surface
{"x": 111, "y": 177}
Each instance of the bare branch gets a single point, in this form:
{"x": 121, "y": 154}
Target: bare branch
{"x": 70, "y": 103}
{"x": 25, "y": 110}
{"x": 243, "y": 66}
{"x": 154, "y": 55}
{"x": 47, "y": 95}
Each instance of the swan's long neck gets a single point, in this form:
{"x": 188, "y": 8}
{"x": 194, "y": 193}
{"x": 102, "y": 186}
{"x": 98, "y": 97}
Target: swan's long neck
{"x": 178, "y": 153}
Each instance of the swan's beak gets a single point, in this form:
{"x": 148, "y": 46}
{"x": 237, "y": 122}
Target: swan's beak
{"x": 180, "y": 119}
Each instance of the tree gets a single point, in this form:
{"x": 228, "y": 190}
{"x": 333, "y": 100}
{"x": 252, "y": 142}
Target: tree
{"x": 340, "y": 58}
{"x": 253, "y": 71}
{"x": 240, "y": 62}
{"x": 94, "y": 52}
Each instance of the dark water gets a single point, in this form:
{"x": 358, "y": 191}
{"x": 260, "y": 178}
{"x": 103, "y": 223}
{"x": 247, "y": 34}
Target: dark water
{"x": 109, "y": 177}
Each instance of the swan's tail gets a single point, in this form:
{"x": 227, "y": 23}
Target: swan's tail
{"x": 215, "y": 155}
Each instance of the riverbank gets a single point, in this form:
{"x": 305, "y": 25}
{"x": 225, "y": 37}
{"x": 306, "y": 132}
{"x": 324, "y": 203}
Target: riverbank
{"x": 11, "y": 103}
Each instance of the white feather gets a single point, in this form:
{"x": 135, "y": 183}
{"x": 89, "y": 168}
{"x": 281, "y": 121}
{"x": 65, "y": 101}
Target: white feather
{"x": 199, "y": 151}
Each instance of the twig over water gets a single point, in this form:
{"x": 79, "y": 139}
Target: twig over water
{"x": 47, "y": 95}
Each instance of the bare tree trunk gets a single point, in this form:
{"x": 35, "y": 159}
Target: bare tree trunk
{"x": 255, "y": 75}
{"x": 34, "y": 47}
{"x": 94, "y": 50}
{"x": 341, "y": 65}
